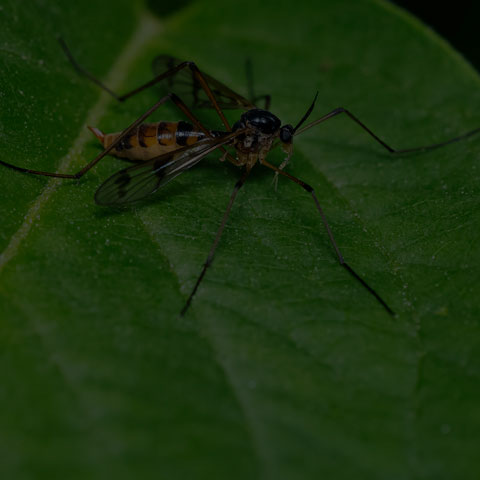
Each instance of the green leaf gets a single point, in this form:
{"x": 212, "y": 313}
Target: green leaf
{"x": 284, "y": 367}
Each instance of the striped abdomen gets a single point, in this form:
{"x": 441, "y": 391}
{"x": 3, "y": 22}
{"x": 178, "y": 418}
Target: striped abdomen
{"x": 150, "y": 140}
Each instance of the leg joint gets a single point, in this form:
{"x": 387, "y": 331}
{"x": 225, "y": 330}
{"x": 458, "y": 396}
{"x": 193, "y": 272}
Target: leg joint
{"x": 308, "y": 188}
{"x": 174, "y": 97}
{"x": 239, "y": 184}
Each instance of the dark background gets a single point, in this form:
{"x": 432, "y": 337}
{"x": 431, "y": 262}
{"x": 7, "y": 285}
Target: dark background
{"x": 456, "y": 21}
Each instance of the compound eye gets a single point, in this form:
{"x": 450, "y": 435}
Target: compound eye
{"x": 286, "y": 133}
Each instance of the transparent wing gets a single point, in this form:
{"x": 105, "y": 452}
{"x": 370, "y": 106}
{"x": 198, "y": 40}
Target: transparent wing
{"x": 134, "y": 183}
{"x": 187, "y": 87}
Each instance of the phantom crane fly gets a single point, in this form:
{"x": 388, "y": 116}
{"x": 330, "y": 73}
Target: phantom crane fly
{"x": 163, "y": 150}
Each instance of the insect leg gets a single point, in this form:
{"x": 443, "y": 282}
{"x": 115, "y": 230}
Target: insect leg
{"x": 344, "y": 264}
{"x": 169, "y": 73}
{"x": 251, "y": 92}
{"x": 211, "y": 254}
{"x": 249, "y": 76}
{"x": 281, "y": 167}
{"x": 265, "y": 97}
{"x": 181, "y": 105}
{"x": 339, "y": 110}
{"x": 82, "y": 70}
{"x": 91, "y": 164}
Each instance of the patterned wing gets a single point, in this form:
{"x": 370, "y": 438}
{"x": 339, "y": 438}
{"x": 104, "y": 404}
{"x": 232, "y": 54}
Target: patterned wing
{"x": 134, "y": 183}
{"x": 187, "y": 87}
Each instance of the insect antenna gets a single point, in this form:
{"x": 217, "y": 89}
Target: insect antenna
{"x": 351, "y": 116}
{"x": 307, "y": 114}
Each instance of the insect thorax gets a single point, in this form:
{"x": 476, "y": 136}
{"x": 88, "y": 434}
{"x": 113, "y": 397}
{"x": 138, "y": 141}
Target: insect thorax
{"x": 263, "y": 128}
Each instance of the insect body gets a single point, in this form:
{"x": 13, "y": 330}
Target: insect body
{"x": 150, "y": 140}
{"x": 262, "y": 128}
{"x": 251, "y": 137}
{"x": 163, "y": 150}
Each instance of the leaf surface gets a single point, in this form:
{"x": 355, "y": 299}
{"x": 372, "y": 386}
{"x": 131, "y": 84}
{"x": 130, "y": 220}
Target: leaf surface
{"x": 284, "y": 367}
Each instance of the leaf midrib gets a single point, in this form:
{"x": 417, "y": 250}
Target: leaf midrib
{"x": 147, "y": 28}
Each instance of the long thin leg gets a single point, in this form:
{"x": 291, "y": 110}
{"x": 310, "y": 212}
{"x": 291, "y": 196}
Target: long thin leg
{"x": 249, "y": 76}
{"x": 339, "y": 110}
{"x": 211, "y": 254}
{"x": 84, "y": 72}
{"x": 344, "y": 264}
{"x": 281, "y": 167}
{"x": 180, "y": 104}
{"x": 169, "y": 73}
{"x": 176, "y": 100}
{"x": 251, "y": 91}
{"x": 267, "y": 98}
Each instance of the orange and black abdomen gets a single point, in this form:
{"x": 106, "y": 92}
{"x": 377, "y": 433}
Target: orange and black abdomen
{"x": 150, "y": 140}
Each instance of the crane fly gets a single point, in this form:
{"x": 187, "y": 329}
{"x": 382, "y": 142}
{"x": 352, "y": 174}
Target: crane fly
{"x": 160, "y": 151}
